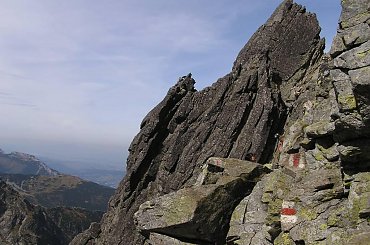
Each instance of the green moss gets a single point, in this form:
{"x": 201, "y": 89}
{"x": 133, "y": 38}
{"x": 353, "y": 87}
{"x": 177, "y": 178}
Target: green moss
{"x": 363, "y": 54}
{"x": 323, "y": 226}
{"x": 275, "y": 189}
{"x": 308, "y": 214}
{"x": 274, "y": 207}
{"x": 319, "y": 156}
{"x": 348, "y": 101}
{"x": 273, "y": 210}
{"x": 268, "y": 165}
{"x": 334, "y": 220}
{"x": 180, "y": 209}
{"x": 266, "y": 197}
{"x": 284, "y": 239}
{"x": 363, "y": 202}
{"x": 347, "y": 185}
{"x": 354, "y": 213}
{"x": 363, "y": 177}
{"x": 238, "y": 214}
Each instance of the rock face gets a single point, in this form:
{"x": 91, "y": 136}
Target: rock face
{"x": 286, "y": 105}
{"x": 201, "y": 213}
{"x": 320, "y": 193}
{"x": 72, "y": 221}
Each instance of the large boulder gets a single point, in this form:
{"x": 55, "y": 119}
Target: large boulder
{"x": 201, "y": 213}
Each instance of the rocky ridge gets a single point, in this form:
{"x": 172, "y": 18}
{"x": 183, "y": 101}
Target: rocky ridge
{"x": 285, "y": 105}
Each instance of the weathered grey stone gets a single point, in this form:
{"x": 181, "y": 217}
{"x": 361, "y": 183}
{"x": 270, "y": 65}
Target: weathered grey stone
{"x": 159, "y": 239}
{"x": 344, "y": 91}
{"x": 354, "y": 12}
{"x": 247, "y": 224}
{"x": 216, "y": 167}
{"x": 330, "y": 153}
{"x": 362, "y": 238}
{"x": 356, "y": 153}
{"x": 320, "y": 129}
{"x": 201, "y": 213}
{"x": 360, "y": 79}
{"x": 350, "y": 37}
{"x": 88, "y": 236}
{"x": 349, "y": 127}
{"x": 354, "y": 58}
{"x": 356, "y": 35}
{"x": 337, "y": 47}
{"x": 210, "y": 173}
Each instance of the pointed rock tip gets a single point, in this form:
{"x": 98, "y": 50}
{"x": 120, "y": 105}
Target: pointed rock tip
{"x": 283, "y": 8}
{"x": 186, "y": 82}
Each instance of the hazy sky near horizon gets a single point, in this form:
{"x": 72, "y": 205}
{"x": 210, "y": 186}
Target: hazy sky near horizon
{"x": 77, "y": 77}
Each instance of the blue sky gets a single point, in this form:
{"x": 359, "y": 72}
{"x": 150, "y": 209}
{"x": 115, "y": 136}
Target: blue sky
{"x": 77, "y": 77}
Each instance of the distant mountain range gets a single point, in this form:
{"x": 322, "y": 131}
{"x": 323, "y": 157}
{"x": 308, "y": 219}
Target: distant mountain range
{"x": 39, "y": 205}
{"x": 22, "y": 163}
{"x": 22, "y": 222}
{"x": 60, "y": 190}
{"x": 43, "y": 185}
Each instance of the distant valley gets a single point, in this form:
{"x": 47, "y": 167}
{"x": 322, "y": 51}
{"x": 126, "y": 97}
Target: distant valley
{"x": 108, "y": 177}
{"x": 52, "y": 207}
{"x": 42, "y": 185}
{"x": 60, "y": 190}
{"x": 22, "y": 222}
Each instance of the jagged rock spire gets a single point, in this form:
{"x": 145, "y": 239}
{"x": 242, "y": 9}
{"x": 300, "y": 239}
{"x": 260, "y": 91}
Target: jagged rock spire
{"x": 238, "y": 115}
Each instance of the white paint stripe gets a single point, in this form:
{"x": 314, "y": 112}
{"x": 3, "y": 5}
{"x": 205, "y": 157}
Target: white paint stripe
{"x": 287, "y": 204}
{"x": 288, "y": 219}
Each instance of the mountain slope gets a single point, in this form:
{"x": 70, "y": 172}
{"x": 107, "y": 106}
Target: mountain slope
{"x": 72, "y": 221}
{"x": 24, "y": 223}
{"x": 22, "y": 163}
{"x": 61, "y": 190}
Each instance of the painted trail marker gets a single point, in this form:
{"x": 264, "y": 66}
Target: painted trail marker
{"x": 296, "y": 160}
{"x": 288, "y": 215}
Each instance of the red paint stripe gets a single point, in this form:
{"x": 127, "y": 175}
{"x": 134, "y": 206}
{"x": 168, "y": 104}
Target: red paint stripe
{"x": 288, "y": 211}
{"x": 296, "y": 158}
